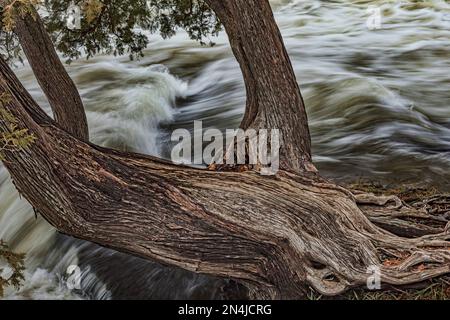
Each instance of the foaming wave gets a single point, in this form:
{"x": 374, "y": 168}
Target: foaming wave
{"x": 40, "y": 285}
{"x": 138, "y": 101}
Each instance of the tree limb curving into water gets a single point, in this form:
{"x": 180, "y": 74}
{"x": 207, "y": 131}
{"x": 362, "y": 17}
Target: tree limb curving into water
{"x": 275, "y": 234}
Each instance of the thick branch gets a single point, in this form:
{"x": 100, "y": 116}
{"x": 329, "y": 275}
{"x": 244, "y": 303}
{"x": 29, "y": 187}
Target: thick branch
{"x": 273, "y": 95}
{"x": 59, "y": 88}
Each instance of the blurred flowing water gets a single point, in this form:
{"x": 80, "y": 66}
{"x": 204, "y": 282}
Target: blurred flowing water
{"x": 377, "y": 100}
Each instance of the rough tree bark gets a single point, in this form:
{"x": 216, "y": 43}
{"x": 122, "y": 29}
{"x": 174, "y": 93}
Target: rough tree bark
{"x": 273, "y": 95}
{"x": 51, "y": 75}
{"x": 276, "y": 234}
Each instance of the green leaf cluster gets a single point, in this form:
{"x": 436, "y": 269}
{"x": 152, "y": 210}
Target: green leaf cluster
{"x": 114, "y": 26}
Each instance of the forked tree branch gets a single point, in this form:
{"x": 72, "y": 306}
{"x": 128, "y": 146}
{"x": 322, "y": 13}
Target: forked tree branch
{"x": 274, "y": 100}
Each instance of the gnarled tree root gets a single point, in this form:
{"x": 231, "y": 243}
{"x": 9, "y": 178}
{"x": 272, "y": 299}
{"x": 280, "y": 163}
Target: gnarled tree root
{"x": 416, "y": 219}
{"x": 397, "y": 261}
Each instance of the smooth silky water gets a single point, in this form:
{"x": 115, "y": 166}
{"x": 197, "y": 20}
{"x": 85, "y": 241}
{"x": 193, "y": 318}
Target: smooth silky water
{"x": 377, "y": 101}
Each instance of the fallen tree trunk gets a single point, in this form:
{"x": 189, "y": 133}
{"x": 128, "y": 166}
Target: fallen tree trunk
{"x": 276, "y": 234}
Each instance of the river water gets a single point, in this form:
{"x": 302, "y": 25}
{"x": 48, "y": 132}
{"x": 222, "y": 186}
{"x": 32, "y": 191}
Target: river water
{"x": 377, "y": 99}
